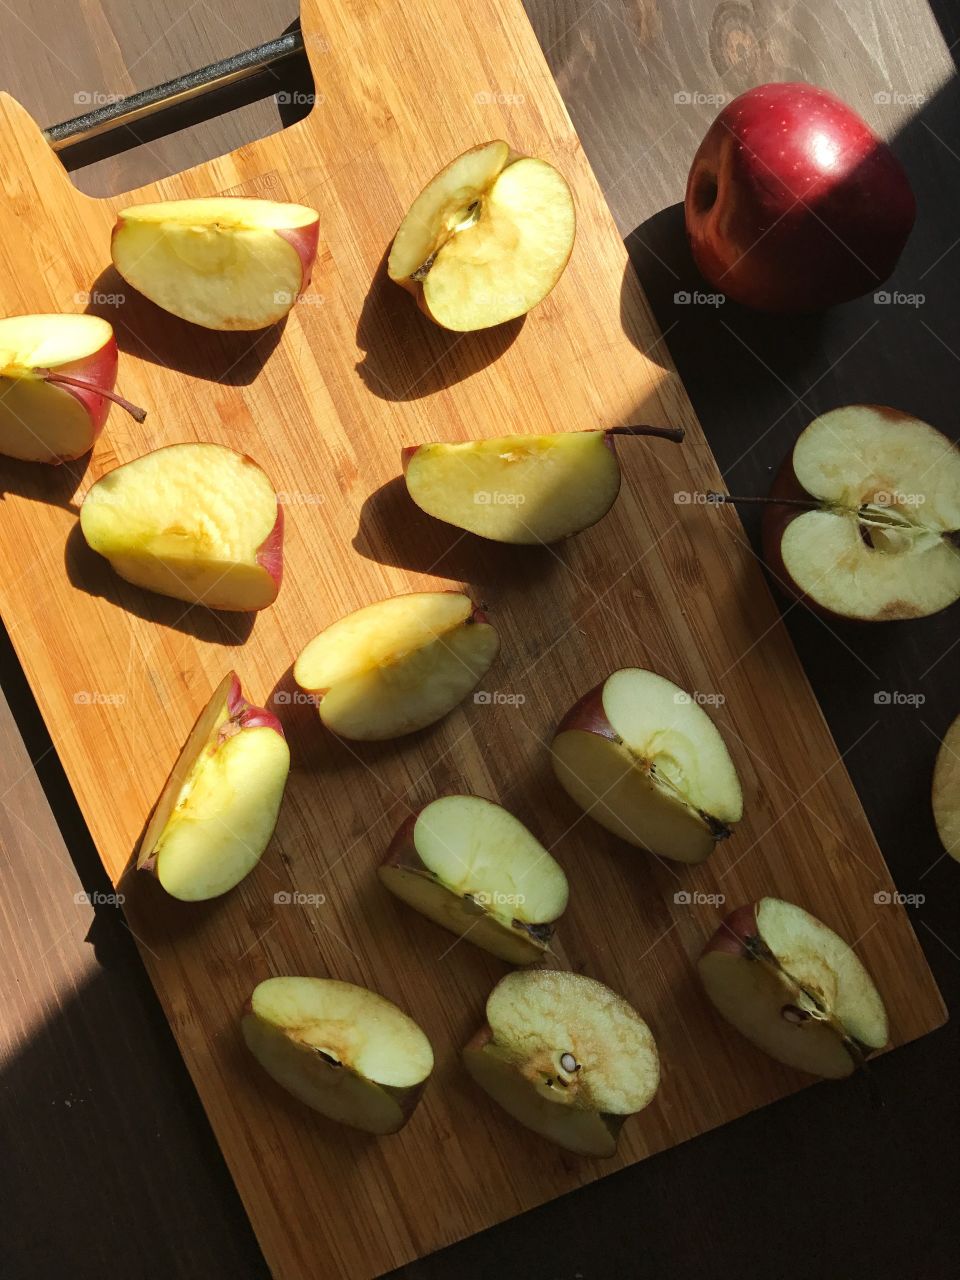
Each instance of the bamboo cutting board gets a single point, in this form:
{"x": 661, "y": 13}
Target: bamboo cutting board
{"x": 324, "y": 404}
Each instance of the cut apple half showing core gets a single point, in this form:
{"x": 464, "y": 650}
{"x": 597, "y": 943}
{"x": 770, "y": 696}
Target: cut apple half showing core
{"x": 794, "y": 988}
{"x": 946, "y": 791}
{"x": 342, "y": 1050}
{"x": 397, "y": 666}
{"x": 230, "y": 263}
{"x": 878, "y": 540}
{"x": 57, "y": 374}
{"x": 642, "y": 757}
{"x": 219, "y": 807}
{"x": 198, "y": 522}
{"x": 566, "y": 1057}
{"x": 469, "y": 865}
{"x": 486, "y": 239}
{"x": 525, "y": 490}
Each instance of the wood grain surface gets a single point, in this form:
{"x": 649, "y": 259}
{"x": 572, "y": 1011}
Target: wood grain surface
{"x": 725, "y": 414}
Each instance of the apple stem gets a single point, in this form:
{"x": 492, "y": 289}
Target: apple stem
{"x": 808, "y": 504}
{"x": 64, "y": 379}
{"x": 675, "y": 434}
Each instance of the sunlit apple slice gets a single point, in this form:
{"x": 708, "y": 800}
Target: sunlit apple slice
{"x": 566, "y": 1057}
{"x": 219, "y": 807}
{"x": 57, "y": 375}
{"x": 471, "y": 866}
{"x": 642, "y": 758}
{"x": 522, "y": 489}
{"x": 194, "y": 521}
{"x": 946, "y": 791}
{"x": 794, "y": 988}
{"x": 225, "y": 263}
{"x": 398, "y": 665}
{"x": 879, "y": 540}
{"x": 343, "y": 1050}
{"x": 486, "y": 239}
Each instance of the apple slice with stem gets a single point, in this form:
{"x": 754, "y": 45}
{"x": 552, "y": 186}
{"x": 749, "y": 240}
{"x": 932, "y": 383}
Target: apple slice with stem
{"x": 397, "y": 666}
{"x": 342, "y": 1050}
{"x": 219, "y": 807}
{"x": 794, "y": 988}
{"x": 486, "y": 239}
{"x": 863, "y": 518}
{"x": 566, "y": 1057}
{"x": 474, "y": 868}
{"x": 57, "y": 374}
{"x": 643, "y": 758}
{"x": 198, "y": 522}
{"x": 522, "y": 489}
{"x": 224, "y": 262}
{"x": 946, "y": 790}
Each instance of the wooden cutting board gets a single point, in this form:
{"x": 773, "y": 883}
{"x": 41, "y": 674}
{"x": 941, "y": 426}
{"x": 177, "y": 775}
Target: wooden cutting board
{"x": 324, "y": 404}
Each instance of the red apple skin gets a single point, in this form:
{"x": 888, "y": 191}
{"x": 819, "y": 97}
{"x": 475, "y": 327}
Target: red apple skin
{"x": 270, "y": 553}
{"x": 100, "y": 370}
{"x": 734, "y": 931}
{"x": 245, "y": 713}
{"x": 793, "y": 203}
{"x": 588, "y": 716}
{"x": 305, "y": 240}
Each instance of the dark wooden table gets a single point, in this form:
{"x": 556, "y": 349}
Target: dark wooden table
{"x": 109, "y": 1164}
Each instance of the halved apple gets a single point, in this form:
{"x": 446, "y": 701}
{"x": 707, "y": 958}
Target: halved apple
{"x": 946, "y": 790}
{"x": 198, "y": 522}
{"x": 643, "y": 758}
{"x": 397, "y": 666}
{"x": 474, "y": 868}
{"x": 565, "y": 1056}
{"x": 343, "y": 1050}
{"x": 794, "y": 988}
{"x": 57, "y": 374}
{"x": 486, "y": 239}
{"x": 878, "y": 540}
{"x": 225, "y": 262}
{"x": 219, "y": 807}
{"x": 522, "y": 489}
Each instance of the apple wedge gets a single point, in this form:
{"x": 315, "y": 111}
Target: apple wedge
{"x": 643, "y": 758}
{"x": 343, "y": 1050}
{"x": 522, "y": 489}
{"x": 198, "y": 522}
{"x": 794, "y": 988}
{"x": 224, "y": 263}
{"x": 566, "y": 1057}
{"x": 219, "y": 807}
{"x": 946, "y": 791}
{"x": 57, "y": 374}
{"x": 864, "y": 516}
{"x": 486, "y": 239}
{"x": 469, "y": 865}
{"x": 397, "y": 666}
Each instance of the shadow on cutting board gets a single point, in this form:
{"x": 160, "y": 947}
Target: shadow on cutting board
{"x": 89, "y": 572}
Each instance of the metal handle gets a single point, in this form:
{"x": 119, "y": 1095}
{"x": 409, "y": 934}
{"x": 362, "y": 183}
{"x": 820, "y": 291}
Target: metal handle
{"x": 193, "y": 84}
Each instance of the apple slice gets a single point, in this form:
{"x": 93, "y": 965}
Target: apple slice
{"x": 398, "y": 665}
{"x": 343, "y": 1050}
{"x": 219, "y": 807}
{"x": 194, "y": 521}
{"x": 474, "y": 868}
{"x": 794, "y": 988}
{"x": 522, "y": 489}
{"x": 946, "y": 791}
{"x": 486, "y": 239}
{"x": 224, "y": 263}
{"x": 565, "y": 1056}
{"x": 57, "y": 375}
{"x": 644, "y": 759}
{"x": 864, "y": 514}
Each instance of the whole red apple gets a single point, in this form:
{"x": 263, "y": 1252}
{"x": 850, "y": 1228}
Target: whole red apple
{"x": 793, "y": 203}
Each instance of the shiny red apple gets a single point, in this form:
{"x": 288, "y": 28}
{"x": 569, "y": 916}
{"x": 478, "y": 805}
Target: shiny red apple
{"x": 793, "y": 203}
